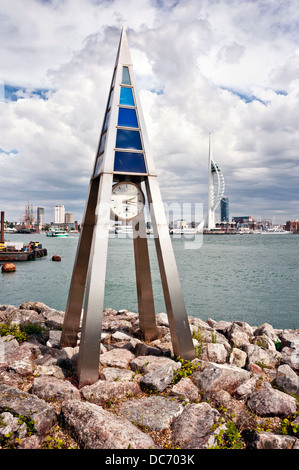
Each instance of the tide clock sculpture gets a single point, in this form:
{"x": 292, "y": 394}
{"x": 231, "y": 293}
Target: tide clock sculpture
{"x": 123, "y": 180}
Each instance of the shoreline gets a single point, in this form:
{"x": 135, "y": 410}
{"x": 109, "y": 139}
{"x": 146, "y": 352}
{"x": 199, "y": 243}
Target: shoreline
{"x": 240, "y": 391}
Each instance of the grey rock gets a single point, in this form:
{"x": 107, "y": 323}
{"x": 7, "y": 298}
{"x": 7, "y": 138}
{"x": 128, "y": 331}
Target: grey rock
{"x": 54, "y": 339}
{"x": 290, "y": 356}
{"x": 290, "y": 339}
{"x": 214, "y": 352}
{"x": 112, "y": 374}
{"x": 117, "y": 358}
{"x": 246, "y": 389}
{"x": 287, "y": 380}
{"x": 238, "y": 357}
{"x": 269, "y": 440}
{"x": 103, "y": 390}
{"x": 52, "y": 388}
{"x": 158, "y": 379}
{"x": 155, "y": 412}
{"x": 193, "y": 428}
{"x": 145, "y": 364}
{"x": 11, "y": 427}
{"x": 18, "y": 402}
{"x": 261, "y": 356}
{"x": 8, "y": 344}
{"x": 220, "y": 377}
{"x": 96, "y": 428}
{"x": 185, "y": 389}
{"x": 270, "y": 402}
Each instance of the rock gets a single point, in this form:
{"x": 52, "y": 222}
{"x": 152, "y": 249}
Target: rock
{"x": 11, "y": 428}
{"x": 238, "y": 335}
{"x": 290, "y": 356}
{"x": 290, "y": 339}
{"x": 287, "y": 380}
{"x": 238, "y": 357}
{"x": 269, "y": 440}
{"x": 117, "y": 358}
{"x": 145, "y": 364}
{"x": 246, "y": 389}
{"x": 185, "y": 389}
{"x": 270, "y": 402}
{"x": 155, "y": 412}
{"x": 54, "y": 389}
{"x": 8, "y": 344}
{"x": 193, "y": 428}
{"x": 54, "y": 339}
{"x": 103, "y": 390}
{"x": 162, "y": 319}
{"x": 96, "y": 428}
{"x": 264, "y": 342}
{"x": 112, "y": 374}
{"x": 143, "y": 349}
{"x": 220, "y": 377}
{"x": 158, "y": 379}
{"x": 214, "y": 352}
{"x": 260, "y": 356}
{"x": 234, "y": 409}
{"x": 266, "y": 329}
{"x": 21, "y": 403}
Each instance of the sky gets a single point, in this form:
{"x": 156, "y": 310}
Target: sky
{"x": 225, "y": 67}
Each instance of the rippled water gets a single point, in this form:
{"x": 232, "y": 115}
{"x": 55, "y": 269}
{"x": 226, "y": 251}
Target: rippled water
{"x": 252, "y": 278}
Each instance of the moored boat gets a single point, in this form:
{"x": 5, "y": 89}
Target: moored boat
{"x": 54, "y": 232}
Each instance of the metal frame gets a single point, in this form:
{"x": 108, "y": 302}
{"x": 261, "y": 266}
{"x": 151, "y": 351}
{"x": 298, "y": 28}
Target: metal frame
{"x": 89, "y": 272}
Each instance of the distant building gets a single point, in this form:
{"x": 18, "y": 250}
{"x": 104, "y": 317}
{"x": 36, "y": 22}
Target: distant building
{"x": 69, "y": 218}
{"x": 224, "y": 210}
{"x": 59, "y": 215}
{"x": 40, "y": 217}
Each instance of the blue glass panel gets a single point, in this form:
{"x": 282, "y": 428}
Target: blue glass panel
{"x": 103, "y": 141}
{"x": 126, "y": 96}
{"x": 129, "y": 162}
{"x": 127, "y": 117}
{"x": 98, "y": 165}
{"x": 106, "y": 121}
{"x": 126, "y": 76}
{"x": 128, "y": 139}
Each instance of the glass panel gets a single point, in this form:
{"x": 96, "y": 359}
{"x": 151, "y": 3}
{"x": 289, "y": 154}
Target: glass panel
{"x": 129, "y": 162}
{"x": 128, "y": 139}
{"x": 127, "y": 117}
{"x": 126, "y": 97}
{"x": 98, "y": 165}
{"x": 126, "y": 76}
{"x": 102, "y": 144}
{"x": 106, "y": 121}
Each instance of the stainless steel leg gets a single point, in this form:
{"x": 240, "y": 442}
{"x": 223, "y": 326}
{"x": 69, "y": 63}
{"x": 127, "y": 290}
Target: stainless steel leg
{"x": 146, "y": 306}
{"x": 89, "y": 353}
{"x": 175, "y": 306}
{"x": 77, "y": 286}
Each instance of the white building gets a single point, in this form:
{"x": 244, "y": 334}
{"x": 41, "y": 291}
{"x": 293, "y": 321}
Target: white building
{"x": 59, "y": 214}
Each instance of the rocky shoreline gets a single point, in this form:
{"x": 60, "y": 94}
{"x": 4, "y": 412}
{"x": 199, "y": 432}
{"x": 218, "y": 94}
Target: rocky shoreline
{"x": 241, "y": 392}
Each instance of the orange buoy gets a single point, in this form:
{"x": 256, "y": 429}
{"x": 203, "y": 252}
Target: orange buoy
{"x": 56, "y": 258}
{"x": 8, "y": 268}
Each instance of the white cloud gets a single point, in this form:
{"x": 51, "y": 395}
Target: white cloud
{"x": 226, "y": 67}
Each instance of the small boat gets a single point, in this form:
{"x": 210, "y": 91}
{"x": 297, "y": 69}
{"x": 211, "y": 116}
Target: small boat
{"x": 55, "y": 232}
{"x": 19, "y": 252}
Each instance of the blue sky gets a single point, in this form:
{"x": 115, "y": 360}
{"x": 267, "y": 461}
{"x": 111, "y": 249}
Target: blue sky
{"x": 229, "y": 67}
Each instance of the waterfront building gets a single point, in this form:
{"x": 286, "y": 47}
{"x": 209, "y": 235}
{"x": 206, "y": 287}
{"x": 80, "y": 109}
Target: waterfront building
{"x": 69, "y": 218}
{"x": 40, "y": 217}
{"x": 224, "y": 210}
{"x": 216, "y": 188}
{"x": 59, "y": 215}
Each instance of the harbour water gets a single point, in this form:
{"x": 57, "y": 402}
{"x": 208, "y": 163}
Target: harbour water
{"x": 252, "y": 278}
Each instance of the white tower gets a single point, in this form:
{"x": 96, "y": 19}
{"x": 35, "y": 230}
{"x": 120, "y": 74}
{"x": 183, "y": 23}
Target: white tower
{"x": 215, "y": 193}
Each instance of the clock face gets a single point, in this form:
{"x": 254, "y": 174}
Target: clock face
{"x": 127, "y": 200}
